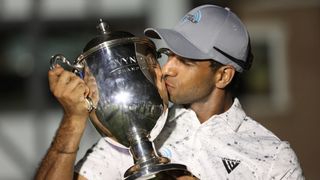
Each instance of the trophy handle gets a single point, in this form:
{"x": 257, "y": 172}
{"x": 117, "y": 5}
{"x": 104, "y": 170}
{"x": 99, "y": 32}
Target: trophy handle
{"x": 61, "y": 60}
{"x": 75, "y": 68}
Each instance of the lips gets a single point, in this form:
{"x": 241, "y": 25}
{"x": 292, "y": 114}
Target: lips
{"x": 169, "y": 85}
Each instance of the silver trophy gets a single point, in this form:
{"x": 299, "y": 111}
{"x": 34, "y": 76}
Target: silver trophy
{"x": 127, "y": 98}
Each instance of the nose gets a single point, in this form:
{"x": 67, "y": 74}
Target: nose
{"x": 170, "y": 67}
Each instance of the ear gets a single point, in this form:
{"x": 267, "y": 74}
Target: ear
{"x": 224, "y": 76}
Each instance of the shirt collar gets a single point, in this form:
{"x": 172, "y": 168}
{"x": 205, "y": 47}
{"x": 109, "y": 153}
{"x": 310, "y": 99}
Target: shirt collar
{"x": 233, "y": 117}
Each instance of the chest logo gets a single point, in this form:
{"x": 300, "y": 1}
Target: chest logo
{"x": 230, "y": 164}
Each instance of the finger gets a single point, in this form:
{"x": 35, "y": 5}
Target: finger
{"x": 81, "y": 89}
{"x": 79, "y": 93}
{"x": 66, "y": 77}
{"x": 57, "y": 70}
{"x": 92, "y": 86}
{"x": 86, "y": 91}
{"x": 77, "y": 87}
{"x": 73, "y": 84}
{"x": 88, "y": 74}
{"x": 53, "y": 76}
{"x": 62, "y": 82}
{"x": 91, "y": 83}
{"x": 73, "y": 92}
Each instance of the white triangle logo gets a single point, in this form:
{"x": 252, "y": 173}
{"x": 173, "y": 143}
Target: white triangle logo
{"x": 230, "y": 164}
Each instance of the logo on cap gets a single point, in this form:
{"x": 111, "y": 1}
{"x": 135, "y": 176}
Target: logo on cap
{"x": 194, "y": 18}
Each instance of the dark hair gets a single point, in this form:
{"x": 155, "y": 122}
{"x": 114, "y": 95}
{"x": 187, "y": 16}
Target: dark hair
{"x": 234, "y": 84}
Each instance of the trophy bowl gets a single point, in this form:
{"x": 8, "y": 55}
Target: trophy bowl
{"x": 128, "y": 97}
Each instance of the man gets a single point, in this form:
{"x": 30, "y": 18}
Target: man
{"x": 207, "y": 130}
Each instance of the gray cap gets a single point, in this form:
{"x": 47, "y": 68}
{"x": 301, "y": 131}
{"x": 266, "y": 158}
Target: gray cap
{"x": 209, "y": 32}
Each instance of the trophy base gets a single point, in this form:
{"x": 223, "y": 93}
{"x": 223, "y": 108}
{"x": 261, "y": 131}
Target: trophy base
{"x": 168, "y": 171}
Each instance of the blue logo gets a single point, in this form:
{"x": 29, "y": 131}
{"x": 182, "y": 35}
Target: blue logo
{"x": 194, "y": 18}
{"x": 166, "y": 152}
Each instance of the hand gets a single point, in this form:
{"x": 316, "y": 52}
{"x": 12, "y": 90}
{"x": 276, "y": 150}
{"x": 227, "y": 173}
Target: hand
{"x": 70, "y": 91}
{"x": 187, "y": 178}
{"x": 90, "y": 81}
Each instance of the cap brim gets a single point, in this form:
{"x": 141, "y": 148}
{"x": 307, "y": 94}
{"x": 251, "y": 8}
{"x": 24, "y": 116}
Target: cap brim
{"x": 177, "y": 43}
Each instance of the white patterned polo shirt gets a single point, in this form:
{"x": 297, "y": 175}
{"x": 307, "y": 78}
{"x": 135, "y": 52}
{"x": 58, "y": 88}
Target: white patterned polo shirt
{"x": 227, "y": 146}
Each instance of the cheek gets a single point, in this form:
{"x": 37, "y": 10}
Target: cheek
{"x": 201, "y": 88}
{"x": 195, "y": 86}
{"x": 201, "y": 79}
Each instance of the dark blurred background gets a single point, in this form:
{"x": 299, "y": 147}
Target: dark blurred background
{"x": 281, "y": 91}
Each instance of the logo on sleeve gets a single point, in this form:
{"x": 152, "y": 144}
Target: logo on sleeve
{"x": 230, "y": 164}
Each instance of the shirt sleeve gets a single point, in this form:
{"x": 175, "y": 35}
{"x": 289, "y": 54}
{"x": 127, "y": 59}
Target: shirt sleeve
{"x": 104, "y": 161}
{"x": 286, "y": 165}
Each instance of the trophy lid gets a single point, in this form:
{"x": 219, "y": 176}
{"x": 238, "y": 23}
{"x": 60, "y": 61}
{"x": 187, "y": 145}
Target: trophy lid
{"x": 106, "y": 35}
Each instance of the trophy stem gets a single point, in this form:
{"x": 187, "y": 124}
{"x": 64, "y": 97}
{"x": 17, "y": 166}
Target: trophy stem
{"x": 141, "y": 148}
{"x": 143, "y": 152}
{"x": 147, "y": 164}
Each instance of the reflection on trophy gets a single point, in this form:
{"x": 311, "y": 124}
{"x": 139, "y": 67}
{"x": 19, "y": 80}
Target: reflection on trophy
{"x": 127, "y": 97}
